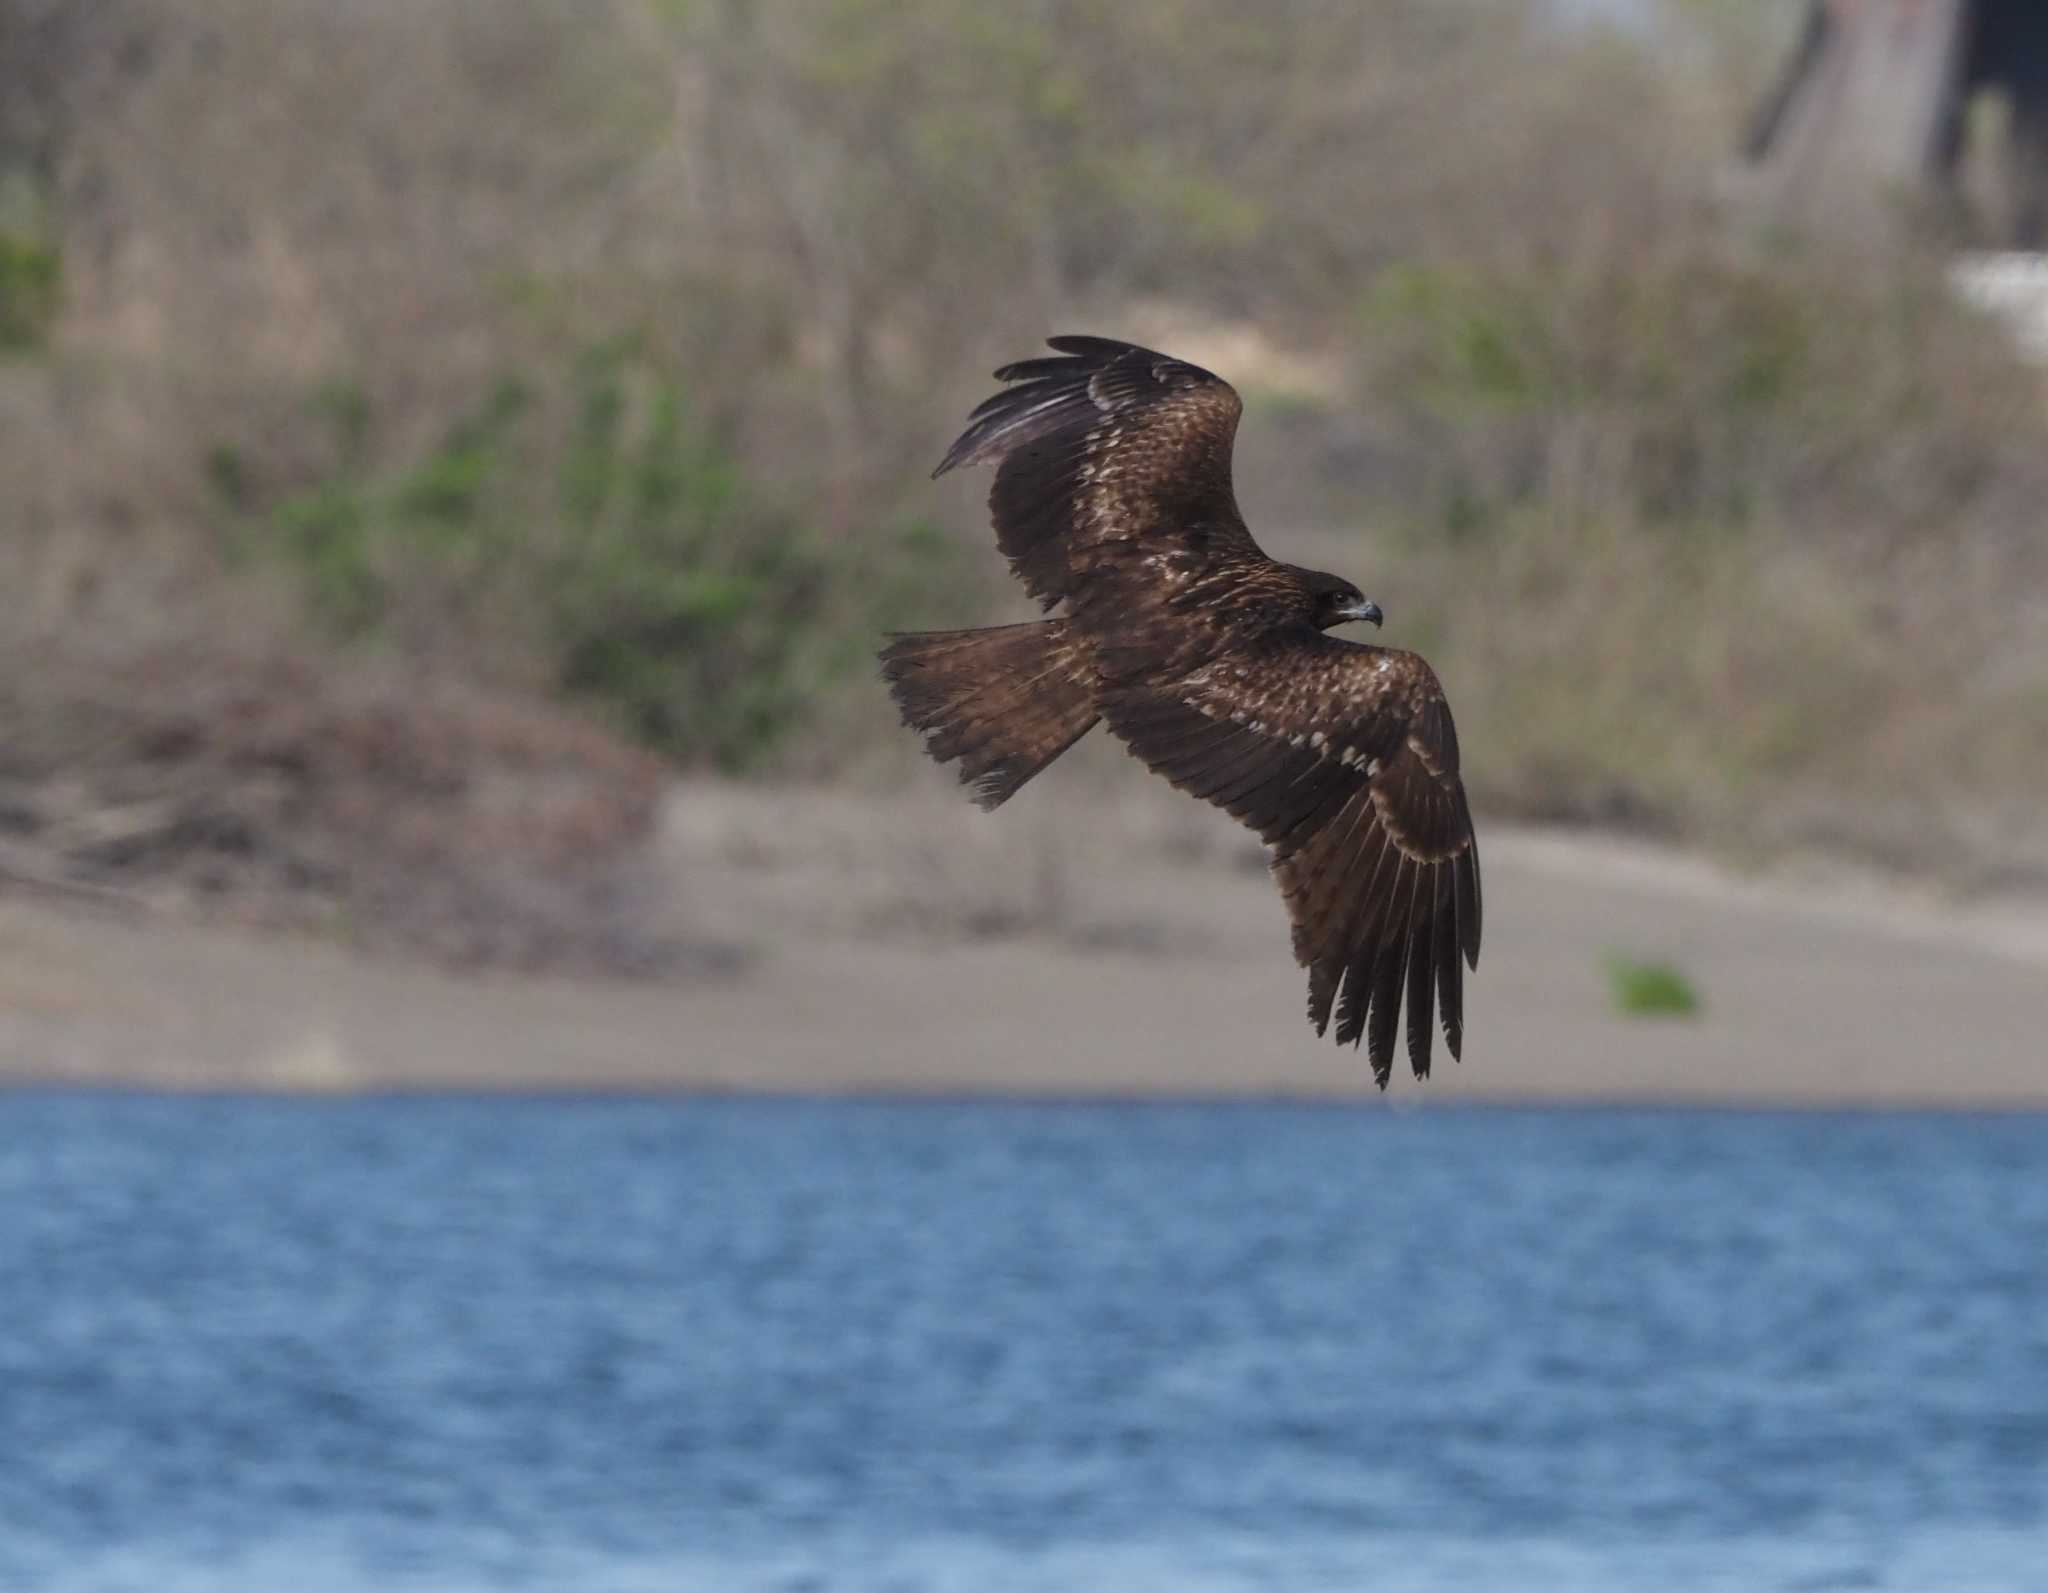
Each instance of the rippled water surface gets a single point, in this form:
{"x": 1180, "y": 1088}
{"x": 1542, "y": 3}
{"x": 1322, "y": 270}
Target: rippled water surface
{"x": 442, "y": 1344}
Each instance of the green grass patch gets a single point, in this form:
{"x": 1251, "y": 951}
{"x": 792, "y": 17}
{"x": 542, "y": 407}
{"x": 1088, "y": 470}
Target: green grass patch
{"x": 1650, "y": 989}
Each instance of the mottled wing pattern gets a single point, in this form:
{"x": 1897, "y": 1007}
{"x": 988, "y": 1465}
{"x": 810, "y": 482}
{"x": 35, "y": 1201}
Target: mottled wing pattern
{"x": 1107, "y": 451}
{"x": 1345, "y": 761}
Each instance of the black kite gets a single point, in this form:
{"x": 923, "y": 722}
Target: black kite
{"x": 1113, "y": 501}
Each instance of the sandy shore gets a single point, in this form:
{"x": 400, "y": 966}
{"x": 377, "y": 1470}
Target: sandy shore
{"x": 921, "y": 947}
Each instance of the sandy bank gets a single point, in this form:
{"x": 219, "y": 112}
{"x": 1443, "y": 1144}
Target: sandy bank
{"x": 927, "y": 948}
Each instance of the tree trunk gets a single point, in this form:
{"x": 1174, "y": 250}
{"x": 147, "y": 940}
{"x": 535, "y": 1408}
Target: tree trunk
{"x": 1866, "y": 111}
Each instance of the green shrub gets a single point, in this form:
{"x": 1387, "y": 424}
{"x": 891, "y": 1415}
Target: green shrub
{"x": 676, "y": 599}
{"x": 360, "y": 539}
{"x": 615, "y": 537}
{"x": 30, "y": 284}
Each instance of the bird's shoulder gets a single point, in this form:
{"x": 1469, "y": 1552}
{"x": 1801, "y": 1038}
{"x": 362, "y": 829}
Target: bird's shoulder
{"x": 1297, "y": 683}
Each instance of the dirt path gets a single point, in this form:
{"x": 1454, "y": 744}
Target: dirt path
{"x": 1147, "y": 966}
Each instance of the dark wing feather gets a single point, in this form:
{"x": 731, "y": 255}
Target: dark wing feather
{"x": 1345, "y": 761}
{"x": 1111, "y": 444}
{"x": 1113, "y": 495}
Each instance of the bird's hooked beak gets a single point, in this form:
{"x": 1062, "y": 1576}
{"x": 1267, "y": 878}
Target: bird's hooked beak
{"x": 1364, "y": 609}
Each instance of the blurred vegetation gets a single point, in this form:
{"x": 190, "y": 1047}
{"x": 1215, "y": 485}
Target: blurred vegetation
{"x": 614, "y": 537}
{"x": 602, "y": 346}
{"x": 31, "y": 270}
{"x": 1650, "y": 990}
{"x": 28, "y": 292}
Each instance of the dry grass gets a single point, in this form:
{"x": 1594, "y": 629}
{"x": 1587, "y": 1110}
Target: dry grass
{"x": 1704, "y": 538}
{"x": 467, "y": 828}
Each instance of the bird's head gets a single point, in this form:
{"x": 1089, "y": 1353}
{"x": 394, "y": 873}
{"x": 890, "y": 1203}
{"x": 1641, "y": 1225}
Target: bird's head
{"x": 1338, "y": 602}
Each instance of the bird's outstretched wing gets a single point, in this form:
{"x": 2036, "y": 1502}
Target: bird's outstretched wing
{"x": 1108, "y": 454}
{"x": 1345, "y": 761}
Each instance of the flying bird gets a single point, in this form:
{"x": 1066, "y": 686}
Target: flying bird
{"x": 1213, "y": 663}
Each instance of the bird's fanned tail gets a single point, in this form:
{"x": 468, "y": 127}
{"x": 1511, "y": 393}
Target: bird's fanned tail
{"x": 1004, "y": 701}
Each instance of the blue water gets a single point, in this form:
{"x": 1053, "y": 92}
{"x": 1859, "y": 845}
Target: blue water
{"x": 739, "y": 1346}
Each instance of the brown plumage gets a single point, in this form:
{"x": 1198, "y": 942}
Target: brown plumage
{"x": 1209, "y": 660}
